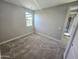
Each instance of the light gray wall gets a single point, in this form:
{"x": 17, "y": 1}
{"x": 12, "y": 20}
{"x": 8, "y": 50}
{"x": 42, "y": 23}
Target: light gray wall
{"x": 50, "y": 21}
{"x": 12, "y": 21}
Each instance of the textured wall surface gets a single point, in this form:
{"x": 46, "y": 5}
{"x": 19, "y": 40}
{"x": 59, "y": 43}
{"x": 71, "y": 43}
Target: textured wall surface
{"x": 12, "y": 21}
{"x": 50, "y": 21}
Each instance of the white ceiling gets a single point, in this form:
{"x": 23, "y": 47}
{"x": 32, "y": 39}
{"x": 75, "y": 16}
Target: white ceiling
{"x": 38, "y": 4}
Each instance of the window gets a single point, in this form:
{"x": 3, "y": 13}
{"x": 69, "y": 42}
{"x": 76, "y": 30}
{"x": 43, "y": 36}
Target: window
{"x": 28, "y": 17}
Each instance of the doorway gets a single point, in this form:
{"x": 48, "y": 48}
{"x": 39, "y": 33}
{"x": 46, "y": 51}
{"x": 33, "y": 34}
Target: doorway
{"x": 69, "y": 21}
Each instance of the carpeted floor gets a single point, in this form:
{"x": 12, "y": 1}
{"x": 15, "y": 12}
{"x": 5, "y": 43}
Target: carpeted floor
{"x": 33, "y": 46}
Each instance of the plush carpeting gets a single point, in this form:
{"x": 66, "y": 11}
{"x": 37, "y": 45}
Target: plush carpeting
{"x": 33, "y": 46}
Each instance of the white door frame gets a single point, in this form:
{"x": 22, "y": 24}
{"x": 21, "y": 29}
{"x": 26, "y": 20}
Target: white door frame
{"x": 70, "y": 41}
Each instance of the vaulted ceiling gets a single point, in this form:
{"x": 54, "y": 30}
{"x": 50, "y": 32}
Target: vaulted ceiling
{"x": 38, "y": 4}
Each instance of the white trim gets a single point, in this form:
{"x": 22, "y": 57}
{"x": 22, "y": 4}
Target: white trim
{"x": 71, "y": 38}
{"x": 48, "y": 37}
{"x": 18, "y": 37}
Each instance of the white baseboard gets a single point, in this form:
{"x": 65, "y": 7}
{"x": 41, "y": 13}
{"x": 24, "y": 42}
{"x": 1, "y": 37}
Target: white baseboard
{"x": 18, "y": 37}
{"x": 48, "y": 37}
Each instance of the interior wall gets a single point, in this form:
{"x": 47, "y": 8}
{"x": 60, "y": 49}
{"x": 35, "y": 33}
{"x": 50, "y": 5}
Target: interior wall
{"x": 12, "y": 21}
{"x": 50, "y": 21}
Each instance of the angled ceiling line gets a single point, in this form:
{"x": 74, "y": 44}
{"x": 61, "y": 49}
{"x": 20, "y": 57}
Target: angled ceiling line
{"x": 37, "y": 4}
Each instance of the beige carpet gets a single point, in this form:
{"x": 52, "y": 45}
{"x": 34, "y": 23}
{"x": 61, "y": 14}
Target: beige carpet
{"x": 33, "y": 46}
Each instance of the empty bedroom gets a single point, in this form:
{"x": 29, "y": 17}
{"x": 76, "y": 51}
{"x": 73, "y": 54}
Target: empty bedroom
{"x": 38, "y": 29}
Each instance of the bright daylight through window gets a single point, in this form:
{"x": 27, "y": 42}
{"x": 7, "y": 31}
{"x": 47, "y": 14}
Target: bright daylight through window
{"x": 28, "y": 17}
